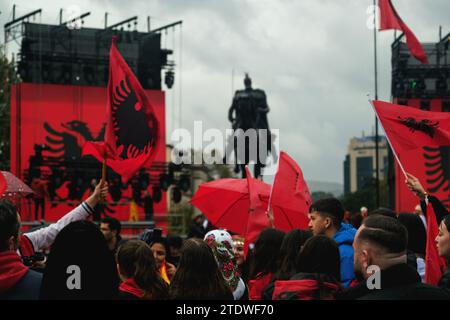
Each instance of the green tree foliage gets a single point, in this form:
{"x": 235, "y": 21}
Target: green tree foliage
{"x": 7, "y": 78}
{"x": 366, "y": 197}
{"x": 319, "y": 195}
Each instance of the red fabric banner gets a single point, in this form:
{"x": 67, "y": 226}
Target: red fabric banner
{"x": 389, "y": 20}
{"x": 434, "y": 265}
{"x": 131, "y": 137}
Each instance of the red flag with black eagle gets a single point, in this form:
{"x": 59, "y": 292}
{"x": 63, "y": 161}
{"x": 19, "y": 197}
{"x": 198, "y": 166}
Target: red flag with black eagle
{"x": 389, "y": 20}
{"x": 131, "y": 137}
{"x": 409, "y": 128}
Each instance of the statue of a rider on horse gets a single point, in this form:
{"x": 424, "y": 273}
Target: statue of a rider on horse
{"x": 249, "y": 111}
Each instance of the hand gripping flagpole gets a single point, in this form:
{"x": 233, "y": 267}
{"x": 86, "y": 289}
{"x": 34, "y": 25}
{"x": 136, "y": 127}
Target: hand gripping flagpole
{"x": 389, "y": 141}
{"x": 104, "y": 170}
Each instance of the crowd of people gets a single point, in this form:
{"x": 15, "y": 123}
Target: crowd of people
{"x": 334, "y": 259}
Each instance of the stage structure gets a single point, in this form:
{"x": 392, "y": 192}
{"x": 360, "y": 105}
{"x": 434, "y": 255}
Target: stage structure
{"x": 60, "y": 103}
{"x": 426, "y": 87}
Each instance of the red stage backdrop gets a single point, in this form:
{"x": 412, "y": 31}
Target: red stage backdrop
{"x": 432, "y": 166}
{"x": 58, "y": 119}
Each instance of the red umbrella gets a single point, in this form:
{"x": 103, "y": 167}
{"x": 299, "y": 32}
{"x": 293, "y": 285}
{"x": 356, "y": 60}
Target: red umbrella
{"x": 225, "y": 202}
{"x": 12, "y": 187}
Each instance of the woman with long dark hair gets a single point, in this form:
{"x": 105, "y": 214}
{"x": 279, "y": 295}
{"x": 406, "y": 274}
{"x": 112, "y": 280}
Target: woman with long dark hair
{"x": 417, "y": 240}
{"x": 318, "y": 273}
{"x": 443, "y": 245}
{"x": 80, "y": 265}
{"x": 265, "y": 261}
{"x": 198, "y": 277}
{"x": 137, "y": 270}
{"x": 160, "y": 249}
{"x": 290, "y": 247}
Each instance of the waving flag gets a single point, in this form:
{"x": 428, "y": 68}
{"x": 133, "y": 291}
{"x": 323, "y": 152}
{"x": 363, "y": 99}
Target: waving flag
{"x": 291, "y": 195}
{"x": 409, "y": 128}
{"x": 258, "y": 219}
{"x": 131, "y": 138}
{"x": 389, "y": 20}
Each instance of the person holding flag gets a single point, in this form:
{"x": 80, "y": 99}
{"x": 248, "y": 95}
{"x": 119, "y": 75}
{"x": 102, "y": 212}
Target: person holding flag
{"x": 409, "y": 129}
{"x": 438, "y": 238}
{"x": 132, "y": 129}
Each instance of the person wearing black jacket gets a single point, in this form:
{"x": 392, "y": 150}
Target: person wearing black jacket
{"x": 380, "y": 263}
{"x": 443, "y": 245}
{"x": 442, "y": 219}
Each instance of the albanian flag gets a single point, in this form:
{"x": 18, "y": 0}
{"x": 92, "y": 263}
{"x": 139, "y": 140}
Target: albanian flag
{"x": 389, "y": 20}
{"x": 409, "y": 128}
{"x": 131, "y": 138}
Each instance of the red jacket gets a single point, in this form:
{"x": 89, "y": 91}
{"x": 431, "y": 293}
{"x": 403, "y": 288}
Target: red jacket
{"x": 305, "y": 289}
{"x": 256, "y": 286}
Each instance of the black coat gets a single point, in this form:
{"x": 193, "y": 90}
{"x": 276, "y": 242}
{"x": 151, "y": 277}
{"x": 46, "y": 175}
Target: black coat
{"x": 27, "y": 288}
{"x": 444, "y": 282}
{"x": 439, "y": 210}
{"x": 399, "y": 282}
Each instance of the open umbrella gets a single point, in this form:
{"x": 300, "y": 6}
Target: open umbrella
{"x": 12, "y": 187}
{"x": 226, "y": 202}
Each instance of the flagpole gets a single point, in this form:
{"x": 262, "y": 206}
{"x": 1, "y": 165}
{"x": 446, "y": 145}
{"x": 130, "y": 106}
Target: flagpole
{"x": 104, "y": 170}
{"x": 270, "y": 215}
{"x": 377, "y": 156}
{"x": 389, "y": 141}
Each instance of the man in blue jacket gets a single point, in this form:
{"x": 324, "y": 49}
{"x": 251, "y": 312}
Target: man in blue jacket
{"x": 326, "y": 217}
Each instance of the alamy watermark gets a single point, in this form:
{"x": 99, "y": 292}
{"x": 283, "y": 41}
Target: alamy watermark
{"x": 374, "y": 280}
{"x": 73, "y": 281}
{"x": 230, "y": 147}
{"x": 373, "y": 18}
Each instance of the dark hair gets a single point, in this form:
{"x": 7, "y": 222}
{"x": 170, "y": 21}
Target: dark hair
{"x": 356, "y": 219}
{"x": 266, "y": 252}
{"x": 446, "y": 220}
{"x": 385, "y": 232}
{"x": 417, "y": 234}
{"x": 290, "y": 247}
{"x": 384, "y": 212}
{"x": 198, "y": 276}
{"x": 320, "y": 255}
{"x": 81, "y": 244}
{"x": 113, "y": 224}
{"x": 136, "y": 261}
{"x": 330, "y": 207}
{"x": 152, "y": 236}
{"x": 174, "y": 241}
{"x": 9, "y": 223}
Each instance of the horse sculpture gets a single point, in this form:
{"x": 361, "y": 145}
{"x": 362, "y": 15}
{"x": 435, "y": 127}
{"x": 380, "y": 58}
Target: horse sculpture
{"x": 248, "y": 115}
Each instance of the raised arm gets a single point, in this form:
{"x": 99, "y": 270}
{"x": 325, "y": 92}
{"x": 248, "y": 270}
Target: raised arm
{"x": 43, "y": 238}
{"x": 416, "y": 187}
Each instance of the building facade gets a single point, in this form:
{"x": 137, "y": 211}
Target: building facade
{"x": 360, "y": 162}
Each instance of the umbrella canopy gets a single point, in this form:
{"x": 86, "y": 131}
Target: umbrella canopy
{"x": 12, "y": 187}
{"x": 226, "y": 203}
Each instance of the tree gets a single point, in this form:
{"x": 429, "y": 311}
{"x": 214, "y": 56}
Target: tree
{"x": 7, "y": 78}
{"x": 366, "y": 197}
{"x": 319, "y": 195}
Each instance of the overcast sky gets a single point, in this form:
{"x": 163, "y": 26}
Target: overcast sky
{"x": 313, "y": 58}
